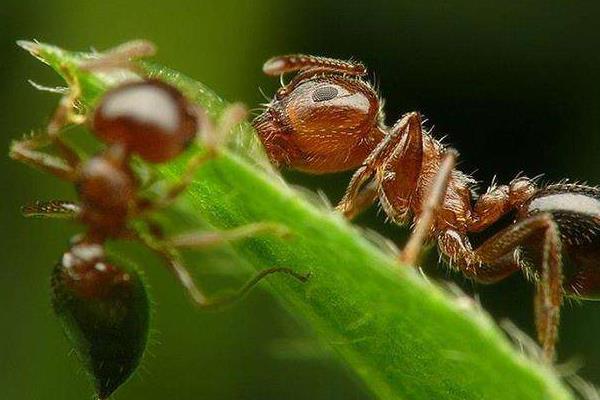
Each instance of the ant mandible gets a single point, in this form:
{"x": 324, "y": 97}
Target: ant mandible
{"x": 329, "y": 119}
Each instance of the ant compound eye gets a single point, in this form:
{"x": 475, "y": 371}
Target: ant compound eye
{"x": 104, "y": 310}
{"x": 324, "y": 93}
{"x": 150, "y": 118}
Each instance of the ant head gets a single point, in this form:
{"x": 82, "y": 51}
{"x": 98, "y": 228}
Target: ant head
{"x": 149, "y": 118}
{"x": 326, "y": 104}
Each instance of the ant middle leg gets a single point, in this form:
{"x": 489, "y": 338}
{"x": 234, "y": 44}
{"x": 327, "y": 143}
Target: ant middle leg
{"x": 435, "y": 196}
{"x": 167, "y": 250}
{"x": 488, "y": 263}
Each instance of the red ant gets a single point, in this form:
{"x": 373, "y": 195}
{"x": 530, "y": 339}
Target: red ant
{"x": 154, "y": 121}
{"x": 329, "y": 119}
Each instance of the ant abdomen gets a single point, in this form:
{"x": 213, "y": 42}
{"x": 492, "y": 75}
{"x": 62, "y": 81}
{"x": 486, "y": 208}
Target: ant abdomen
{"x": 104, "y": 309}
{"x": 576, "y": 211}
{"x": 150, "y": 118}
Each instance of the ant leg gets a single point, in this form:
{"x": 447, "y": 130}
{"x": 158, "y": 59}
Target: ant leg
{"x": 363, "y": 200}
{"x": 405, "y": 144}
{"x": 25, "y": 150}
{"x": 435, "y": 197}
{"x": 201, "y": 240}
{"x": 121, "y": 57}
{"x": 52, "y": 209}
{"x": 488, "y": 263}
{"x": 213, "y": 138}
{"x": 66, "y": 113}
{"x": 173, "y": 260}
{"x": 63, "y": 114}
{"x": 118, "y": 57}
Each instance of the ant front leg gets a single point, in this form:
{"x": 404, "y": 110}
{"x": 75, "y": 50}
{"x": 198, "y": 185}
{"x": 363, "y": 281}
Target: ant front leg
{"x": 490, "y": 263}
{"x": 167, "y": 250}
{"x": 397, "y": 163}
{"x": 27, "y": 150}
{"x": 404, "y": 144}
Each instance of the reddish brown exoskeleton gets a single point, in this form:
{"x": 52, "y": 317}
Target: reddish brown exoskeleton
{"x": 102, "y": 302}
{"x": 328, "y": 119}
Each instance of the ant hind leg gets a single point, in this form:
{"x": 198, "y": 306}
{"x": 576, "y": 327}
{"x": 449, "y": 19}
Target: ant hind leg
{"x": 167, "y": 251}
{"x": 488, "y": 263}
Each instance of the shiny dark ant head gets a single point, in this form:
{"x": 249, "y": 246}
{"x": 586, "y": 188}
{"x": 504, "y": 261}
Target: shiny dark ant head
{"x": 324, "y": 109}
{"x": 149, "y": 118}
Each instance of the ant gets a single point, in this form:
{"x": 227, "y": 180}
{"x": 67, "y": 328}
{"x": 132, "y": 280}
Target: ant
{"x": 328, "y": 118}
{"x": 154, "y": 121}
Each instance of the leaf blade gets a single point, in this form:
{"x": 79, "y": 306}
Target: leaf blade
{"x": 403, "y": 337}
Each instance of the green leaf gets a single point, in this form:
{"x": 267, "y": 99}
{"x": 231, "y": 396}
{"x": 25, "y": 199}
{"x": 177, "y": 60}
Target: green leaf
{"x": 401, "y": 335}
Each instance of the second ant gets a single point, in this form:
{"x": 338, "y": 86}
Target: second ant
{"x": 328, "y": 118}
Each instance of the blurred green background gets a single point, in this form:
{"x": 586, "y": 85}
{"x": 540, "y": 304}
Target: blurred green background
{"x": 516, "y": 87}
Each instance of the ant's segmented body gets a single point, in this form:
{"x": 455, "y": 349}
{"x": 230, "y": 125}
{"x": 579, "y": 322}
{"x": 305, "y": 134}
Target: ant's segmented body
{"x": 328, "y": 119}
{"x": 153, "y": 120}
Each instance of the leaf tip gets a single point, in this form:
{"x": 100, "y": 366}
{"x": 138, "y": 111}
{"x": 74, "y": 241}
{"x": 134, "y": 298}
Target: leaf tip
{"x": 31, "y": 46}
